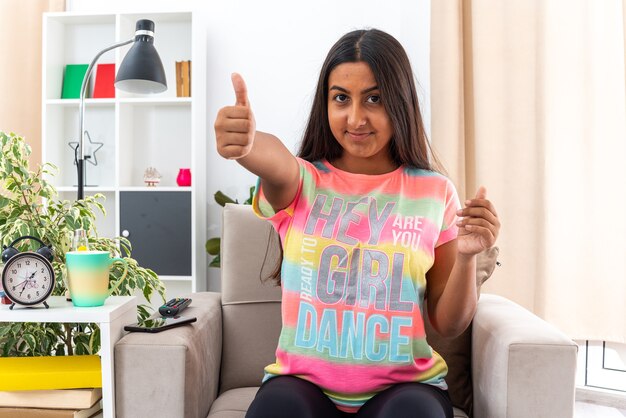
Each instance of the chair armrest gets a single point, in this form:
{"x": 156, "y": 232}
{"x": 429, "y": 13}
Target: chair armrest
{"x": 173, "y": 373}
{"x": 521, "y": 365}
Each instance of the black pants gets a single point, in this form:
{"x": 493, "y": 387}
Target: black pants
{"x": 291, "y": 397}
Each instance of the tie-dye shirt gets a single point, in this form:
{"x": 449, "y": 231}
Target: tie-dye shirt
{"x": 356, "y": 251}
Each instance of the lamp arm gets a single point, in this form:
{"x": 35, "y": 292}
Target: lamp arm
{"x": 83, "y": 90}
{"x": 80, "y": 161}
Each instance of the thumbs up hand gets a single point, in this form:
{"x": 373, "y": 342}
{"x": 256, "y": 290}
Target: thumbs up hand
{"x": 241, "y": 91}
{"x": 479, "y": 224}
{"x": 235, "y": 126}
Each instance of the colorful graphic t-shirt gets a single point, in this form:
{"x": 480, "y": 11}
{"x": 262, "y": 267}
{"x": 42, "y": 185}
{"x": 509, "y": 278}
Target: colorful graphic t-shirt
{"x": 356, "y": 252}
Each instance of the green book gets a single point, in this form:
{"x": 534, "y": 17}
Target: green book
{"x": 73, "y": 80}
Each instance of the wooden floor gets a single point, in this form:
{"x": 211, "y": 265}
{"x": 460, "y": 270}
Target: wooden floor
{"x": 590, "y": 410}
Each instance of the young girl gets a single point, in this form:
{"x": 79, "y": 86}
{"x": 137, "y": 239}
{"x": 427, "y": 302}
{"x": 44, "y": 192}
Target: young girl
{"x": 369, "y": 230}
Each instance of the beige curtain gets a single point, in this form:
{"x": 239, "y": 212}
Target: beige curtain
{"x": 529, "y": 99}
{"x": 20, "y": 72}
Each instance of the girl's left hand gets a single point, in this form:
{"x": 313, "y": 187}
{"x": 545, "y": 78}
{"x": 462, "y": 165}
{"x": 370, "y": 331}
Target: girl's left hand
{"x": 479, "y": 225}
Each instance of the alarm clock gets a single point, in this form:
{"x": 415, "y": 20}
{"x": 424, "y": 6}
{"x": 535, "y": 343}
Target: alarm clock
{"x": 28, "y": 277}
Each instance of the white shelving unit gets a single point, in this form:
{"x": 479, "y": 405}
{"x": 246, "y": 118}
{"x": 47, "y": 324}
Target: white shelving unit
{"x": 161, "y": 131}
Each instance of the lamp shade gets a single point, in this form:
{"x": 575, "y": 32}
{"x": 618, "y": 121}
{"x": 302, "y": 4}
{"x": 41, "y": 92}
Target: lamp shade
{"x": 141, "y": 70}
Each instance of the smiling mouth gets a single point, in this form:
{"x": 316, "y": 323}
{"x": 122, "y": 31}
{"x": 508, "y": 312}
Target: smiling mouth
{"x": 358, "y": 136}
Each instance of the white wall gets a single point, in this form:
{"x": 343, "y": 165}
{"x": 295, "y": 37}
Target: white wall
{"x": 278, "y": 46}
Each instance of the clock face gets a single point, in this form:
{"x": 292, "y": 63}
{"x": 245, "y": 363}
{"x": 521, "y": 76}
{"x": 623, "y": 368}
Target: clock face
{"x": 28, "y": 278}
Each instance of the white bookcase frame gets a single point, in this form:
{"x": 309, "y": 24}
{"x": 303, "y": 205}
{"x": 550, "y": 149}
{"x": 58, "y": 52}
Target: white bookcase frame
{"x": 161, "y": 130}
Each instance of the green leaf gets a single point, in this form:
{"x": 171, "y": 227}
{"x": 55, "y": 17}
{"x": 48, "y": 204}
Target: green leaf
{"x": 30, "y": 340}
{"x": 215, "y": 262}
{"x": 4, "y": 329}
{"x": 17, "y": 327}
{"x": 147, "y": 292}
{"x": 251, "y": 197}
{"x": 141, "y": 282}
{"x": 45, "y": 344}
{"x": 94, "y": 341}
{"x": 60, "y": 350}
{"x": 9, "y": 346}
{"x": 213, "y": 246}
{"x": 71, "y": 223}
{"x": 222, "y": 199}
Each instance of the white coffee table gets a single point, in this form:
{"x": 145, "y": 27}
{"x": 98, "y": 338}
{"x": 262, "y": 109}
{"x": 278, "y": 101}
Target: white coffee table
{"x": 116, "y": 312}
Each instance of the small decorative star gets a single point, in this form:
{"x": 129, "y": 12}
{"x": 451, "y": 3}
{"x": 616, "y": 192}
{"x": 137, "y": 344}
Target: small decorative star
{"x": 95, "y": 146}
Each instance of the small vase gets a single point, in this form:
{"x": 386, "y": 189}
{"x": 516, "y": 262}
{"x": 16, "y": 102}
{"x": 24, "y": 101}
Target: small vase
{"x": 184, "y": 177}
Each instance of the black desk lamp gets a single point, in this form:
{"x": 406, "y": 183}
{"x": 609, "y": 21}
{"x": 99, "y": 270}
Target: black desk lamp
{"x": 141, "y": 71}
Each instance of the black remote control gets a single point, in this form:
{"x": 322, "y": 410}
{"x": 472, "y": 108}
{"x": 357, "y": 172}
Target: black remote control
{"x": 174, "y": 306}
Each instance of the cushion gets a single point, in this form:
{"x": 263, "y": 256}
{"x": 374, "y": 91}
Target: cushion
{"x": 457, "y": 352}
{"x": 233, "y": 403}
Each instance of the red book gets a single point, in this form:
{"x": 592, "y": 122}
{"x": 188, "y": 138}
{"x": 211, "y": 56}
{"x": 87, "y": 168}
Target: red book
{"x": 105, "y": 79}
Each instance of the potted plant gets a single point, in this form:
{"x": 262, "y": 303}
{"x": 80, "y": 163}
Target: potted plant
{"x": 29, "y": 205}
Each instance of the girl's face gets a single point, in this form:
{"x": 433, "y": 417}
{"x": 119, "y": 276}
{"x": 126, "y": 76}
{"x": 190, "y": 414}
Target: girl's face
{"x": 358, "y": 120}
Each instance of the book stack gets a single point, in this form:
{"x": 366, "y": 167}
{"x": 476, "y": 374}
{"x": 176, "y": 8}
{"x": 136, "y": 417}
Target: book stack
{"x": 50, "y": 387}
{"x": 63, "y": 403}
{"x": 183, "y": 78}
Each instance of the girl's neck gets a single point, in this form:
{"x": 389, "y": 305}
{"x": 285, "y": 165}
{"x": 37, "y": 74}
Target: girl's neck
{"x": 364, "y": 166}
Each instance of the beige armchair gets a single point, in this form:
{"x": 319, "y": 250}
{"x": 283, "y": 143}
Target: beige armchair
{"x": 521, "y": 367}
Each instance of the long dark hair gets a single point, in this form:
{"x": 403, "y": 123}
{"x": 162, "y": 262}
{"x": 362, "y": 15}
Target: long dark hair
{"x": 391, "y": 67}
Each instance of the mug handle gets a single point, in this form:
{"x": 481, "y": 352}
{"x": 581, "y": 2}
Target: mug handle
{"x": 121, "y": 279}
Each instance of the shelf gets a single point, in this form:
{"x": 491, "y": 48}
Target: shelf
{"x": 165, "y": 101}
{"x": 155, "y": 189}
{"x": 76, "y": 102}
{"x": 176, "y": 278}
{"x": 63, "y": 311}
{"x": 89, "y": 102}
{"x": 88, "y": 190}
{"x": 161, "y": 138}
{"x": 169, "y": 17}
{"x": 68, "y": 18}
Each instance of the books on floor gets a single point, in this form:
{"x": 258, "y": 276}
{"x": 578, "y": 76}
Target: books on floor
{"x": 50, "y": 413}
{"x": 50, "y": 372}
{"x": 60, "y": 399}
